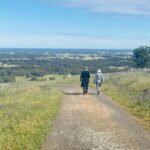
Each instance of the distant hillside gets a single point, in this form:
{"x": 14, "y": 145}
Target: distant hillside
{"x": 39, "y": 62}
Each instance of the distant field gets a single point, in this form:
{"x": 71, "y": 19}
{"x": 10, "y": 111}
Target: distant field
{"x": 77, "y": 56}
{"x": 84, "y": 56}
{"x": 27, "y": 110}
{"x": 40, "y": 62}
{"x": 132, "y": 90}
{"x": 7, "y": 65}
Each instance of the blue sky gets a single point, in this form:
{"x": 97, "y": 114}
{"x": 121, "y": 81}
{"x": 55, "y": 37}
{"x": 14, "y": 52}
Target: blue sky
{"x": 74, "y": 23}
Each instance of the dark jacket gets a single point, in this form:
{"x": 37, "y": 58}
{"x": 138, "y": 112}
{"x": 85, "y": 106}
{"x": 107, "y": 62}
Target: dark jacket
{"x": 84, "y": 78}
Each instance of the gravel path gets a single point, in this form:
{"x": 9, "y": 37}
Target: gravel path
{"x": 91, "y": 122}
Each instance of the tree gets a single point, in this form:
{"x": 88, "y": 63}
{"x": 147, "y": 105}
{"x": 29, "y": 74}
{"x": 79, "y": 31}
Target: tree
{"x": 141, "y": 57}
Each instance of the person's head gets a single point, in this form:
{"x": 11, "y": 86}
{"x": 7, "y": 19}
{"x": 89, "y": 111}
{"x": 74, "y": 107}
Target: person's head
{"x": 99, "y": 71}
{"x": 85, "y": 69}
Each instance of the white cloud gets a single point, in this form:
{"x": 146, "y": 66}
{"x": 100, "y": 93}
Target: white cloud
{"x": 134, "y": 7}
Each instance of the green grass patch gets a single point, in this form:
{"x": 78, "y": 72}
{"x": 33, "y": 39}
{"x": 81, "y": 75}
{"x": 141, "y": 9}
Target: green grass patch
{"x": 132, "y": 90}
{"x": 27, "y": 110}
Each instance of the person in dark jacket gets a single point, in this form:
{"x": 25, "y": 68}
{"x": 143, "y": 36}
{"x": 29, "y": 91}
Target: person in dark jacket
{"x": 84, "y": 78}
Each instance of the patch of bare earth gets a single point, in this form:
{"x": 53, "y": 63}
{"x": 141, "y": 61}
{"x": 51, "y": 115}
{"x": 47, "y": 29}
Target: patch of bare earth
{"x": 90, "y": 122}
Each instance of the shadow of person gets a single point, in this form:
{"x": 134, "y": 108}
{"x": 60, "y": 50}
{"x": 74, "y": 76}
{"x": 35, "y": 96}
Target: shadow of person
{"x": 90, "y": 93}
{"x": 75, "y": 93}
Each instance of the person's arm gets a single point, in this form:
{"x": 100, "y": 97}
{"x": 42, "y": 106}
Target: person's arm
{"x": 81, "y": 77}
{"x": 95, "y": 79}
{"x": 89, "y": 77}
{"x": 102, "y": 78}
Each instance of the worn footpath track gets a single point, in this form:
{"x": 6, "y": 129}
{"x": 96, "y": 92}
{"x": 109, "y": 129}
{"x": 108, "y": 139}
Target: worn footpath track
{"x": 94, "y": 122}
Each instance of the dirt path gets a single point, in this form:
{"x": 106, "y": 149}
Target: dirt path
{"x": 91, "y": 122}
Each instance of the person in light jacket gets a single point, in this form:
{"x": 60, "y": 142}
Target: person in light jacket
{"x": 84, "y": 78}
{"x": 98, "y": 80}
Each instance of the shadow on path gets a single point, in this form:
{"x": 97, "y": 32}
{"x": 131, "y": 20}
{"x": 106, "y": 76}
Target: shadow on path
{"x": 74, "y": 93}
{"x": 77, "y": 93}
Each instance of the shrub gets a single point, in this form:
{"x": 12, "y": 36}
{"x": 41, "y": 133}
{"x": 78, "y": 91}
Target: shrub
{"x": 52, "y": 78}
{"x": 6, "y": 79}
{"x": 33, "y": 78}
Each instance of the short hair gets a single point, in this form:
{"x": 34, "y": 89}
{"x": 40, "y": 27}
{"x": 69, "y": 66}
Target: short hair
{"x": 85, "y": 68}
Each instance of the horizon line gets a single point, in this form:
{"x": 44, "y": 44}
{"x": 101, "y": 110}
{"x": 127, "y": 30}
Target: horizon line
{"x": 68, "y": 48}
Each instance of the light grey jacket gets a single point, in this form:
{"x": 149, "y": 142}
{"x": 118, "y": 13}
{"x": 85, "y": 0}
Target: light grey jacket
{"x": 99, "y": 78}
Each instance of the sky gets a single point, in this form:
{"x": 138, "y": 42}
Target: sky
{"x": 120, "y": 24}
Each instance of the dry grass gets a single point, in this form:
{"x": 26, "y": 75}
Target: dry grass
{"x": 27, "y": 110}
{"x": 132, "y": 90}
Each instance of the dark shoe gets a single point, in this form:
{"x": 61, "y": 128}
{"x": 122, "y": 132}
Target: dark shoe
{"x": 98, "y": 93}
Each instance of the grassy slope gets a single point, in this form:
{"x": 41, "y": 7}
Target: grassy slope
{"x": 131, "y": 90}
{"x": 27, "y": 110}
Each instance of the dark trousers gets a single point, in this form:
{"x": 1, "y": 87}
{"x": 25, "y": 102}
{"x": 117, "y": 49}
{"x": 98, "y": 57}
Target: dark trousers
{"x": 85, "y": 87}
